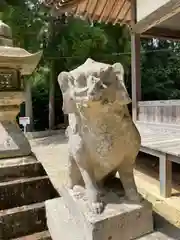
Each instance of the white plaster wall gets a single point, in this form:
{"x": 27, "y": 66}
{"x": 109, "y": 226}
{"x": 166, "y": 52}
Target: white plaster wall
{"x": 146, "y": 7}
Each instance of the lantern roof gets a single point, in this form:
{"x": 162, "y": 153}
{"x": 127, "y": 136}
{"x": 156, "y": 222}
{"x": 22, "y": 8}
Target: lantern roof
{"x": 14, "y": 57}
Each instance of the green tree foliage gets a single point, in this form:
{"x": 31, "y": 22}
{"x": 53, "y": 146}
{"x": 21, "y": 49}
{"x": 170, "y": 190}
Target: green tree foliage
{"x": 69, "y": 41}
{"x": 160, "y": 69}
{"x": 65, "y": 40}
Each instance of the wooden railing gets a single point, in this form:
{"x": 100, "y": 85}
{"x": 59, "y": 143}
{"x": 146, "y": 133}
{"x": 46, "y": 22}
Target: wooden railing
{"x": 159, "y": 126}
{"x": 167, "y": 111}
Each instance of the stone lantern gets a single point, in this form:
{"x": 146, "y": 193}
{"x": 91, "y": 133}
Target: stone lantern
{"x": 14, "y": 62}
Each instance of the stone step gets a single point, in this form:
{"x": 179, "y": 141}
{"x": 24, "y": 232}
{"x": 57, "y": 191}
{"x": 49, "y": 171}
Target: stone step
{"x": 26, "y": 191}
{"x": 36, "y": 236}
{"x": 22, "y": 221}
{"x": 15, "y": 168}
{"x": 163, "y": 230}
{"x": 157, "y": 236}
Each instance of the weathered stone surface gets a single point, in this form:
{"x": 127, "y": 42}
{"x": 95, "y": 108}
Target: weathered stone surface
{"x": 102, "y": 135}
{"x": 25, "y": 191}
{"x": 13, "y": 143}
{"x": 9, "y": 104}
{"x": 156, "y": 236}
{"x": 22, "y": 221}
{"x": 23, "y": 181}
{"x": 36, "y": 236}
{"x": 70, "y": 218}
{"x": 15, "y": 168}
{"x": 53, "y": 151}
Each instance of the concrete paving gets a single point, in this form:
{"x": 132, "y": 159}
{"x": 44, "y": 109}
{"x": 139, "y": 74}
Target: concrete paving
{"x": 52, "y": 153}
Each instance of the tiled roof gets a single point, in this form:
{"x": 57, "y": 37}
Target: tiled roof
{"x": 114, "y": 11}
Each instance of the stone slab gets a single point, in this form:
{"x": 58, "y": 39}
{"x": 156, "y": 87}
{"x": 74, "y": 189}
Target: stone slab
{"x": 157, "y": 236}
{"x": 13, "y": 142}
{"x": 69, "y": 219}
{"x": 36, "y": 236}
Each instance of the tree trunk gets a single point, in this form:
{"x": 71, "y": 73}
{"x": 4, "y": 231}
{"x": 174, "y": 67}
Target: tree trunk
{"x": 52, "y": 97}
{"x": 28, "y": 104}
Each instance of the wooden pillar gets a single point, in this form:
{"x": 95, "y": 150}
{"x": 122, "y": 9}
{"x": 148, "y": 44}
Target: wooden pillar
{"x": 135, "y": 64}
{"x": 165, "y": 176}
{"x": 52, "y": 97}
{"x": 135, "y": 74}
{"x": 28, "y": 104}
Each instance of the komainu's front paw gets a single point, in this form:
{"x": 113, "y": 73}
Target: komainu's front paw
{"x": 97, "y": 207}
{"x": 94, "y": 199}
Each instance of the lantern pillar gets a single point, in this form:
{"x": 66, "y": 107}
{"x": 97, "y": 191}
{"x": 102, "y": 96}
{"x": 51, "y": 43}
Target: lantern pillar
{"x": 14, "y": 62}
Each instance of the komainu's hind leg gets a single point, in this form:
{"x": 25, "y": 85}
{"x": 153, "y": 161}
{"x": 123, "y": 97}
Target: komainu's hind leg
{"x": 85, "y": 166}
{"x": 93, "y": 192}
{"x": 127, "y": 178}
{"x": 74, "y": 174}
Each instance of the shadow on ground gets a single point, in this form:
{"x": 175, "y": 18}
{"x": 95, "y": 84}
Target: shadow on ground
{"x": 163, "y": 226}
{"x": 149, "y": 165}
{"x": 51, "y": 140}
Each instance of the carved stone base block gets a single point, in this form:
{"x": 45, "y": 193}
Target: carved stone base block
{"x": 13, "y": 143}
{"x": 69, "y": 218}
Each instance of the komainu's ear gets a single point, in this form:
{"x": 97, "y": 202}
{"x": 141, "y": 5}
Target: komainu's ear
{"x": 121, "y": 94}
{"x": 66, "y": 81}
{"x": 63, "y": 80}
{"x": 119, "y": 70}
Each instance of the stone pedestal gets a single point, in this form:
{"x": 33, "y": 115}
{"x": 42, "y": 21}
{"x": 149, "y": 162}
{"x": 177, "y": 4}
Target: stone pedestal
{"x": 70, "y": 218}
{"x": 13, "y": 142}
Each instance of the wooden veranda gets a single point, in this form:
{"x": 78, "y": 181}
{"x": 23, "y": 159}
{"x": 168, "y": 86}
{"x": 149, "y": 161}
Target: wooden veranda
{"x": 157, "y": 121}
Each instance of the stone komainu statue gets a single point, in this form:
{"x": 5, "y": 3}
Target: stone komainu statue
{"x": 102, "y": 136}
